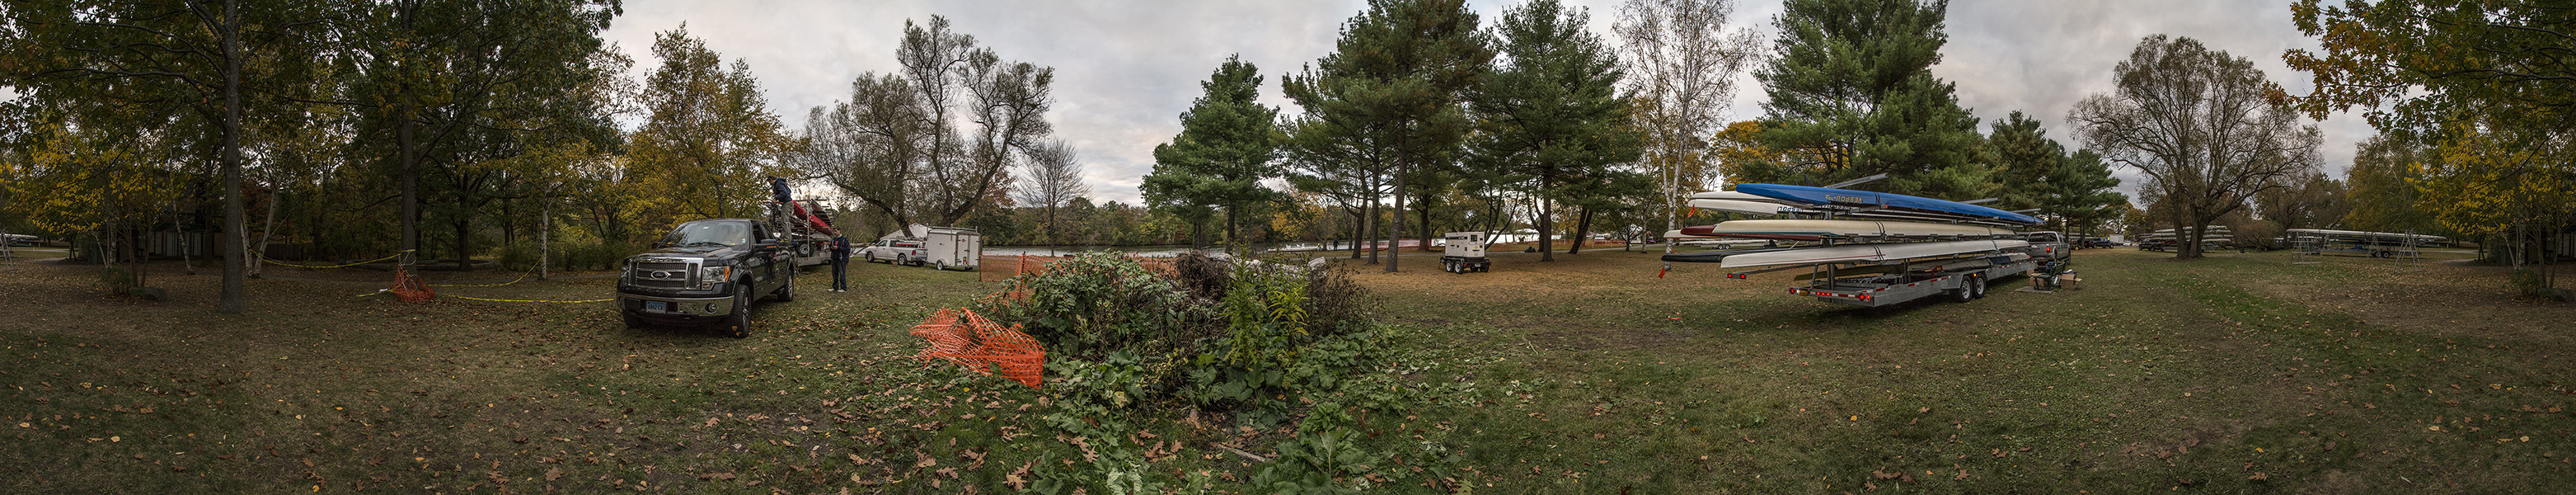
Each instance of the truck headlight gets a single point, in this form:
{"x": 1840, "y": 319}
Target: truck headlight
{"x": 708, "y": 277}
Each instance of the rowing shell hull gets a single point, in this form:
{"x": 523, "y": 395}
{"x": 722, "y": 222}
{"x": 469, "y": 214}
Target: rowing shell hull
{"x": 1869, "y": 253}
{"x": 1848, "y": 198}
{"x": 1853, "y": 228}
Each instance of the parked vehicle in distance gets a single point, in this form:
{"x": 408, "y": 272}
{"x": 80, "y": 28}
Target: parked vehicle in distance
{"x": 1463, "y": 252}
{"x": 952, "y": 247}
{"x": 898, "y": 251}
{"x": 20, "y": 239}
{"x": 708, "y": 271}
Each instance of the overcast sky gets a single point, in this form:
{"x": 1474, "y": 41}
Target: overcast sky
{"x": 1125, "y": 70}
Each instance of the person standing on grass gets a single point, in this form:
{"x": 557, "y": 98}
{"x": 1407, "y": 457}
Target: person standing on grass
{"x": 840, "y": 263}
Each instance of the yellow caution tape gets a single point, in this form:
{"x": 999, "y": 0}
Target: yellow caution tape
{"x": 522, "y": 276}
{"x": 275, "y": 262}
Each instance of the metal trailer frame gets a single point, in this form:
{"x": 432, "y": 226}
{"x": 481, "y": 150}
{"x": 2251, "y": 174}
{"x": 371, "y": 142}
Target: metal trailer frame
{"x": 807, "y": 245}
{"x": 1879, "y": 285}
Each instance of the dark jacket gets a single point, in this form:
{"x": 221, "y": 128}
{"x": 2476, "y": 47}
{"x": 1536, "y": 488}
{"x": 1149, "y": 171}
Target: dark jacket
{"x": 840, "y": 249}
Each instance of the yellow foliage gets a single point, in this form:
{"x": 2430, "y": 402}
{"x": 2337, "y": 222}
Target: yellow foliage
{"x": 2483, "y": 182}
{"x": 75, "y": 182}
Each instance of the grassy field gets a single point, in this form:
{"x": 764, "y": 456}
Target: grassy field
{"x": 2241, "y": 373}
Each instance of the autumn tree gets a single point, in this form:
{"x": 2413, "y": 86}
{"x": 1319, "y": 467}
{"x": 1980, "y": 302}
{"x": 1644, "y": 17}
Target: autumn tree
{"x": 709, "y": 139}
{"x": 1226, "y": 147}
{"x": 1680, "y": 62}
{"x": 1393, "y": 85}
{"x": 2487, "y": 85}
{"x": 2308, "y": 201}
{"x": 1054, "y": 180}
{"x": 439, "y": 87}
{"x": 162, "y": 65}
{"x": 1551, "y": 120}
{"x": 936, "y": 138}
{"x": 1851, "y": 88}
{"x": 2198, "y": 124}
{"x": 2382, "y": 186}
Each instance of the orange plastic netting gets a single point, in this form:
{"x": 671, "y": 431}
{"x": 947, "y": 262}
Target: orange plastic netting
{"x": 963, "y": 337}
{"x": 408, "y": 287}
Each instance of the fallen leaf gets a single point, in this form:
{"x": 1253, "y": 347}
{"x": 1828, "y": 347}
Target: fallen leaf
{"x": 2258, "y": 477}
{"x": 925, "y": 461}
{"x": 554, "y": 474}
{"x": 716, "y": 476}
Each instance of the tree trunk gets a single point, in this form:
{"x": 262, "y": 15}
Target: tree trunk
{"x": 1582, "y": 230}
{"x": 410, "y": 180}
{"x": 545, "y": 238}
{"x": 1372, "y": 225}
{"x": 234, "y": 294}
{"x": 1395, "y": 236}
{"x": 1424, "y": 212}
{"x": 463, "y": 240}
{"x": 1356, "y": 229}
{"x": 267, "y": 232}
{"x": 1546, "y": 224}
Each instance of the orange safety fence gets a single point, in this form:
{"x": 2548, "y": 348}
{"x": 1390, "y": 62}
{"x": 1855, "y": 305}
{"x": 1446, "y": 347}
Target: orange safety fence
{"x": 996, "y": 268}
{"x": 963, "y": 337}
{"x": 409, "y": 288}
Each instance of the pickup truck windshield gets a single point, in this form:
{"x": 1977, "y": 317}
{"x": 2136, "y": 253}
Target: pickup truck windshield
{"x": 709, "y": 234}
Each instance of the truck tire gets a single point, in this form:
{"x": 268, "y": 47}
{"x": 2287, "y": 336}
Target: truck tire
{"x": 632, "y": 321}
{"x": 738, "y": 323}
{"x": 941, "y": 265}
{"x": 787, "y": 292}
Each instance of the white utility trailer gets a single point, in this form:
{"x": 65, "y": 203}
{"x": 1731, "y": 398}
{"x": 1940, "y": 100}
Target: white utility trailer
{"x": 952, "y": 247}
{"x": 1464, "y": 252}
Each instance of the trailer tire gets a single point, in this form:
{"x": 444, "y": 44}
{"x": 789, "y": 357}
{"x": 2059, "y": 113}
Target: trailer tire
{"x": 1961, "y": 294}
{"x": 1977, "y": 286}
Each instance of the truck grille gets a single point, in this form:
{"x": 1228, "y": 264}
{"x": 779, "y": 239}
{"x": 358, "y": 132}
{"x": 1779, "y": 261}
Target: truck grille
{"x": 660, "y": 274}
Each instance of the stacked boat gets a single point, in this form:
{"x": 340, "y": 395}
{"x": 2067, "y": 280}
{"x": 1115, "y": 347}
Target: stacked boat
{"x": 2212, "y": 237}
{"x": 1849, "y": 227}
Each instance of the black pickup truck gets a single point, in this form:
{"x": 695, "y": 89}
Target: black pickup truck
{"x": 708, "y": 271}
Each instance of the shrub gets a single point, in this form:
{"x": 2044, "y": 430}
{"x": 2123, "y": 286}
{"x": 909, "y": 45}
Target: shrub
{"x": 522, "y": 257}
{"x": 117, "y": 280}
{"x": 1092, "y": 304}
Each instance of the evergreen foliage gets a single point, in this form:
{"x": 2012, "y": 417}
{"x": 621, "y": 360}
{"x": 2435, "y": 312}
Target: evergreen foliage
{"x": 1551, "y": 122}
{"x": 1227, "y": 146}
{"x": 1852, "y": 94}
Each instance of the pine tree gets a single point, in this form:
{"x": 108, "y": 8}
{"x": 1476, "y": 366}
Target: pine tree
{"x": 1389, "y": 96}
{"x": 1553, "y": 122}
{"x": 1852, "y": 92}
{"x": 1227, "y": 145}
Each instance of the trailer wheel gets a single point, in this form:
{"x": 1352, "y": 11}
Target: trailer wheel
{"x": 1977, "y": 286}
{"x": 1962, "y": 294}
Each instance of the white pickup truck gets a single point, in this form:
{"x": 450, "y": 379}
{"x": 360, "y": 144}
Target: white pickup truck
{"x": 899, "y": 251}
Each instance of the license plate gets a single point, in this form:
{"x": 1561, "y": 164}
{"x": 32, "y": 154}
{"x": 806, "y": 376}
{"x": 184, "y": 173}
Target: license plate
{"x": 657, "y": 306}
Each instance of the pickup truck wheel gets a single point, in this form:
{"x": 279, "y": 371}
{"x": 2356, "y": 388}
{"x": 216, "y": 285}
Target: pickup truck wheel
{"x": 787, "y": 292}
{"x": 632, "y": 321}
{"x": 738, "y": 323}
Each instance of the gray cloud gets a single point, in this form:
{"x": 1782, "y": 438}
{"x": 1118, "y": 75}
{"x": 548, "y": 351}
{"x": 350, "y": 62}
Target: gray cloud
{"x": 1126, "y": 70}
